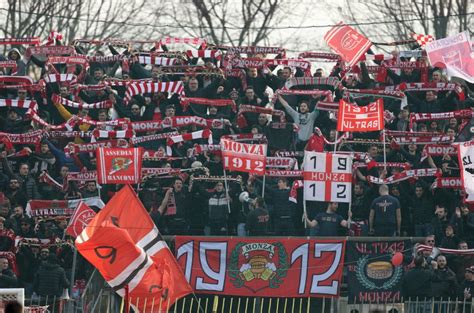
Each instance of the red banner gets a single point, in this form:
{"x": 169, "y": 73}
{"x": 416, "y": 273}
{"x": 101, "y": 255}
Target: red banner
{"x": 119, "y": 166}
{"x": 347, "y": 42}
{"x": 244, "y": 157}
{"x": 281, "y": 267}
{"x": 354, "y": 118}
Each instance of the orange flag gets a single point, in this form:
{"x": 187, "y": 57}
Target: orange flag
{"x": 123, "y": 243}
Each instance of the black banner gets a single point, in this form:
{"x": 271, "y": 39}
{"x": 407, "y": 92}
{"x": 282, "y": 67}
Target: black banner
{"x": 371, "y": 276}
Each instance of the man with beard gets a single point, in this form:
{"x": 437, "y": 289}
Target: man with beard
{"x": 15, "y": 194}
{"x": 444, "y": 283}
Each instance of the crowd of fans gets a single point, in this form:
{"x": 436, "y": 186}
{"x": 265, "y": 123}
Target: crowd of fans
{"x": 212, "y": 206}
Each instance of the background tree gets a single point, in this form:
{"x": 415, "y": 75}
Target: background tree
{"x": 224, "y": 22}
{"x": 439, "y": 18}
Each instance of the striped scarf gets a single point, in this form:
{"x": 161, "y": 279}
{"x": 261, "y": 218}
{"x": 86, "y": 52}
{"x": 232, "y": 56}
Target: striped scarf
{"x": 208, "y": 54}
{"x": 407, "y": 174}
{"x": 97, "y": 105}
{"x": 136, "y": 88}
{"x": 156, "y": 60}
{"x": 22, "y": 104}
{"x": 176, "y": 40}
{"x": 99, "y": 133}
{"x": 200, "y": 134}
{"x": 55, "y": 78}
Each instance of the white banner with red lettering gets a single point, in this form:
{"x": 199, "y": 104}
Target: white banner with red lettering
{"x": 354, "y": 118}
{"x": 327, "y": 177}
{"x": 244, "y": 157}
{"x": 466, "y": 168}
{"x": 119, "y": 165}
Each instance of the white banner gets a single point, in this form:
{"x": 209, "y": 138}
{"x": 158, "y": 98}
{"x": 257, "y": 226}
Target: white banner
{"x": 327, "y": 177}
{"x": 466, "y": 167}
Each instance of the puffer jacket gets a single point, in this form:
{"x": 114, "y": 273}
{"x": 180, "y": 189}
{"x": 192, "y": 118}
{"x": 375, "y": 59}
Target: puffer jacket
{"x": 50, "y": 280}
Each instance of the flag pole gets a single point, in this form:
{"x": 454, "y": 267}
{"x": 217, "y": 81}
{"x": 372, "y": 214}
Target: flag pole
{"x": 226, "y": 189}
{"x": 127, "y": 300}
{"x": 263, "y": 188}
{"x": 335, "y": 142}
{"x": 384, "y": 151}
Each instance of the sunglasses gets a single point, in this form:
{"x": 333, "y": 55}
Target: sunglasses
{"x": 431, "y": 241}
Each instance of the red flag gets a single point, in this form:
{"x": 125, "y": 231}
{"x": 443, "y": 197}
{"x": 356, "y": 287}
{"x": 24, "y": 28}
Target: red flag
{"x": 354, "y": 118}
{"x": 119, "y": 165}
{"x": 79, "y": 220}
{"x": 421, "y": 39}
{"x": 127, "y": 214}
{"x": 244, "y": 157}
{"x": 454, "y": 53}
{"x": 347, "y": 42}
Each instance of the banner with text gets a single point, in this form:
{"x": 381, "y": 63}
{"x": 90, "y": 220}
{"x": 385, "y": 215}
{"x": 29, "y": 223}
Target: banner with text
{"x": 119, "y": 165}
{"x": 371, "y": 277}
{"x": 327, "y": 177}
{"x": 244, "y": 157}
{"x": 354, "y": 118}
{"x": 262, "y": 267}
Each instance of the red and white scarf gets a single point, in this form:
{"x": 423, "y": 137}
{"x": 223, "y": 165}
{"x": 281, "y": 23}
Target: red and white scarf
{"x": 106, "y": 59}
{"x": 294, "y": 190}
{"x": 156, "y": 60}
{"x": 72, "y": 148}
{"x": 137, "y": 140}
{"x": 200, "y": 134}
{"x": 447, "y": 182}
{"x": 82, "y": 176}
{"x": 98, "y": 133}
{"x": 423, "y": 117}
{"x": 55, "y": 78}
{"x": 320, "y": 55}
{"x": 439, "y": 150}
{"x": 44, "y": 177}
{"x": 50, "y": 50}
{"x": 136, "y": 88}
{"x": 306, "y": 81}
{"x": 241, "y": 120}
{"x": 97, "y": 105}
{"x": 31, "y": 137}
{"x": 20, "y": 41}
{"x": 284, "y": 173}
{"x": 20, "y": 80}
{"x": 176, "y": 40}
{"x": 209, "y": 54}
{"x": 69, "y": 134}
{"x": 22, "y": 104}
{"x": 254, "y": 50}
{"x": 185, "y": 102}
{"x": 69, "y": 124}
{"x": 421, "y": 248}
{"x": 407, "y": 174}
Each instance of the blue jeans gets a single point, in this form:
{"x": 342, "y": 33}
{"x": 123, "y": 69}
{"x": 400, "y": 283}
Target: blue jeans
{"x": 423, "y": 230}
